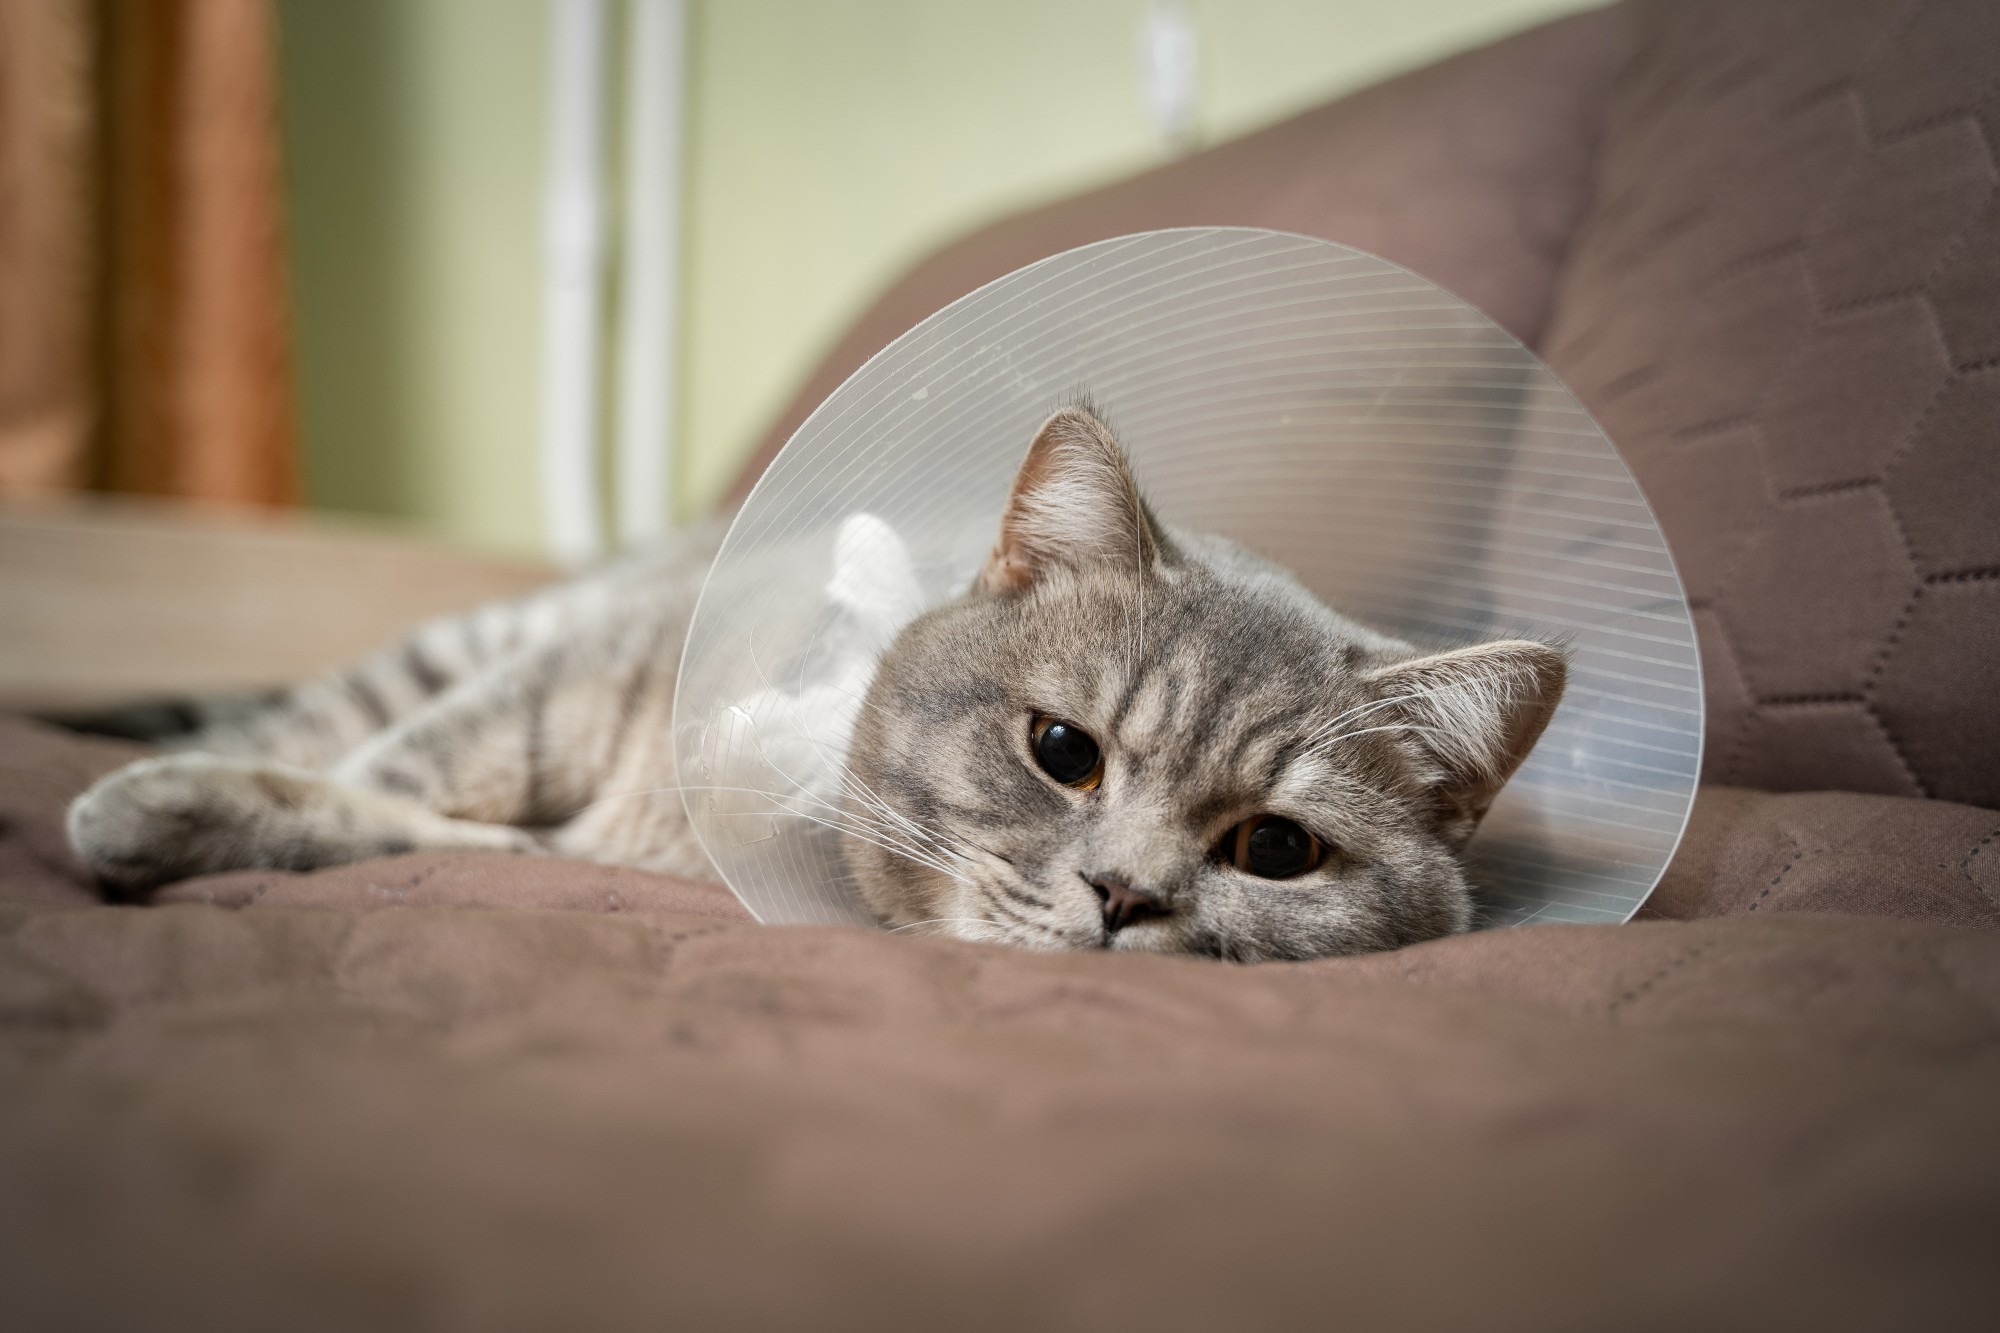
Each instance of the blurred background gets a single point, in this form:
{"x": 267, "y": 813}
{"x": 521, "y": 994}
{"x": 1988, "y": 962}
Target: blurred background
{"x": 534, "y": 277}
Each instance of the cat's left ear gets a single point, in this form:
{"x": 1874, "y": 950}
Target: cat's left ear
{"x": 1475, "y": 712}
{"x": 1073, "y": 505}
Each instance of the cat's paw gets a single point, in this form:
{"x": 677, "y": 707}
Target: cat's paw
{"x": 169, "y": 818}
{"x": 163, "y": 819}
{"x": 152, "y": 822}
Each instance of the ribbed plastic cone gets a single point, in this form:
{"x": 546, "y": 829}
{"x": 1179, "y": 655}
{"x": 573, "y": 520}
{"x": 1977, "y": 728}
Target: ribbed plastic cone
{"x": 1407, "y": 458}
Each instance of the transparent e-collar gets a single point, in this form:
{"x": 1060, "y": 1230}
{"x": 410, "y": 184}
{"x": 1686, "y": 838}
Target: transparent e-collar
{"x": 1407, "y": 458}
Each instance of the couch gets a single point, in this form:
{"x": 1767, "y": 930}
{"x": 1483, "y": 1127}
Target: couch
{"x": 1761, "y": 239}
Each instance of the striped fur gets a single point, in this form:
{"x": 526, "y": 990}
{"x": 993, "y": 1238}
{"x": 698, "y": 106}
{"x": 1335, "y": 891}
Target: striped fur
{"x": 538, "y": 725}
{"x": 1218, "y": 688}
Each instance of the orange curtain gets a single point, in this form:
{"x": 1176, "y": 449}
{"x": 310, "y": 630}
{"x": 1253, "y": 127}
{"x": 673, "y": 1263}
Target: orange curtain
{"x": 47, "y": 242}
{"x": 148, "y": 350}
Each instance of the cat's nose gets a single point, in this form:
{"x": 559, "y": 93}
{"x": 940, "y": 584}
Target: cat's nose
{"x": 1124, "y": 904}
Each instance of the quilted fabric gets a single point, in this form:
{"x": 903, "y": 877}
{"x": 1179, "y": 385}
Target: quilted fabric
{"x": 514, "y": 1093}
{"x": 1784, "y": 303}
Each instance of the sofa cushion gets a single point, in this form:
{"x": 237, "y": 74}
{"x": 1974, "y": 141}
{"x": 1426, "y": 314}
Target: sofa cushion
{"x": 1761, "y": 852}
{"x": 1784, "y": 304}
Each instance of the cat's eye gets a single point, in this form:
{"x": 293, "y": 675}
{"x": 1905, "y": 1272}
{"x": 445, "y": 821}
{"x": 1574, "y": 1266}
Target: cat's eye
{"x": 1272, "y": 847}
{"x": 1067, "y": 753}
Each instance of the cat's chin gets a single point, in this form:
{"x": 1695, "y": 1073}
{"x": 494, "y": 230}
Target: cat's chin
{"x": 980, "y": 930}
{"x": 1044, "y": 940}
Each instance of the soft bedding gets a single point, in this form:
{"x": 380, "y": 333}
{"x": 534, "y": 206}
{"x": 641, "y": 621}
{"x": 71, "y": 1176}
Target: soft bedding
{"x": 495, "y": 1092}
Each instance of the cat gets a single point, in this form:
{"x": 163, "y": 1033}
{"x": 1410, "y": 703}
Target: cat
{"x": 1121, "y": 736}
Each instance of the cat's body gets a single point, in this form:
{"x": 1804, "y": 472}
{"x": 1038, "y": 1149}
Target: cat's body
{"x": 514, "y": 727}
{"x": 1120, "y": 737}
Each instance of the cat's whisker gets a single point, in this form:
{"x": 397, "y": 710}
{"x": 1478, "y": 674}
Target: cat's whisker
{"x": 909, "y": 854}
{"x": 847, "y": 779}
{"x": 872, "y": 803}
{"x": 883, "y": 838}
{"x": 1499, "y": 699}
{"x": 987, "y": 926}
{"x": 842, "y": 773}
{"x": 852, "y": 784}
{"x": 1139, "y": 570}
{"x": 977, "y": 846}
{"x": 1320, "y": 735}
{"x": 1325, "y": 736}
{"x": 840, "y": 822}
{"x": 1131, "y": 661}
{"x": 1394, "y": 726}
{"x": 857, "y": 788}
{"x": 859, "y": 823}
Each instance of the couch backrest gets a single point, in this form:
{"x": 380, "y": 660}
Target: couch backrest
{"x": 1784, "y": 304}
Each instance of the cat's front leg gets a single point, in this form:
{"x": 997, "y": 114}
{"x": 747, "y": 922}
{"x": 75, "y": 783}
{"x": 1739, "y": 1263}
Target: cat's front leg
{"x": 170, "y": 818}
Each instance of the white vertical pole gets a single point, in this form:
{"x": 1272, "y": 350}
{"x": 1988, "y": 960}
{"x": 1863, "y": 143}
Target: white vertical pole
{"x": 649, "y": 296}
{"x": 572, "y": 279}
{"x": 1170, "y": 71}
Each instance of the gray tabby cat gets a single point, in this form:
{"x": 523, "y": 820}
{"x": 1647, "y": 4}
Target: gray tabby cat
{"x": 1119, "y": 737}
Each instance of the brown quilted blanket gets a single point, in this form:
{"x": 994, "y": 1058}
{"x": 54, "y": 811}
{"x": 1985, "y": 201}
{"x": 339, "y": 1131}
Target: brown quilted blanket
{"x": 482, "y": 1092}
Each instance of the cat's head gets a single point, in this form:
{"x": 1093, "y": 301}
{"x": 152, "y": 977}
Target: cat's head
{"x": 1127, "y": 737}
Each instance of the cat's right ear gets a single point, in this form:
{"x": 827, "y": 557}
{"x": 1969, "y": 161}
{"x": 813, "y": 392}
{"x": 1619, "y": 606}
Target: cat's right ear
{"x": 1073, "y": 505}
{"x": 1475, "y": 713}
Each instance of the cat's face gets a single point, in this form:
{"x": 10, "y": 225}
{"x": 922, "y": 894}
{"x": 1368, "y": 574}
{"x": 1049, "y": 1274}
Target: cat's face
{"x": 1124, "y": 738}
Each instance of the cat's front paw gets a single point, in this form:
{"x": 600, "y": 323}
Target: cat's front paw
{"x": 147, "y": 824}
{"x": 168, "y": 818}
{"x": 180, "y": 815}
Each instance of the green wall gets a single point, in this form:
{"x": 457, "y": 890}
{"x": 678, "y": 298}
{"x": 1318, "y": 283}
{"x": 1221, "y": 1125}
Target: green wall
{"x": 831, "y": 143}
{"x": 413, "y": 140}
